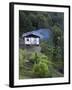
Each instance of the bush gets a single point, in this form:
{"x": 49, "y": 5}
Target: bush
{"x": 22, "y": 57}
{"x": 40, "y": 70}
{"x": 37, "y": 57}
{"x": 40, "y": 65}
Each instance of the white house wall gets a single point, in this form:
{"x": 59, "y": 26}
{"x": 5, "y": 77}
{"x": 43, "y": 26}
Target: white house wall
{"x": 32, "y": 41}
{"x": 37, "y": 39}
{"x": 27, "y": 42}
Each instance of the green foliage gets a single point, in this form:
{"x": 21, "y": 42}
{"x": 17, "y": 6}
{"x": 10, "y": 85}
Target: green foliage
{"x": 47, "y": 48}
{"x": 37, "y": 65}
{"x": 40, "y": 67}
{"x": 57, "y": 33}
{"x": 58, "y": 44}
{"x": 37, "y": 57}
{"x": 30, "y": 20}
{"x": 22, "y": 56}
{"x": 54, "y": 51}
{"x": 40, "y": 70}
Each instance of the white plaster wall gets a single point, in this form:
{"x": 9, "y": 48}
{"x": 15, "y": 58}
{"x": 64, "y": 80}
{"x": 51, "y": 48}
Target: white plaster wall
{"x": 32, "y": 41}
{"x": 27, "y": 42}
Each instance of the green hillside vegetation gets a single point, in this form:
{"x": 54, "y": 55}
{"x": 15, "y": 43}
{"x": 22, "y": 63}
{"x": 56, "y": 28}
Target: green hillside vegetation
{"x": 49, "y": 62}
{"x": 32, "y": 20}
{"x": 37, "y": 65}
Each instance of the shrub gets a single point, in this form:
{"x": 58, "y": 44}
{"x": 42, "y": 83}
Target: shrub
{"x": 40, "y": 70}
{"x": 22, "y": 57}
{"x": 40, "y": 67}
{"x": 37, "y": 57}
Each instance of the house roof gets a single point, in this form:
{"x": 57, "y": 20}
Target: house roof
{"x": 30, "y": 34}
{"x": 42, "y": 33}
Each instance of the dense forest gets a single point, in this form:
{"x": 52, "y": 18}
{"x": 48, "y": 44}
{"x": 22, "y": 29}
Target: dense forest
{"x": 31, "y": 20}
{"x": 49, "y": 62}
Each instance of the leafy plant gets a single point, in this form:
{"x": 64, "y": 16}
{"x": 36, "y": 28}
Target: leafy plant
{"x": 22, "y": 56}
{"x": 40, "y": 70}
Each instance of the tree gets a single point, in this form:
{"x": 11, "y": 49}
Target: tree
{"x": 58, "y": 50}
{"x": 47, "y": 48}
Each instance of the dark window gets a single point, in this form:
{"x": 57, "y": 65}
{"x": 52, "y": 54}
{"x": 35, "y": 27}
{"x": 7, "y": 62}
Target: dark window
{"x": 27, "y": 39}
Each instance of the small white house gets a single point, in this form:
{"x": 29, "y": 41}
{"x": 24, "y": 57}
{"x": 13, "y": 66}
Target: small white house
{"x": 31, "y": 39}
